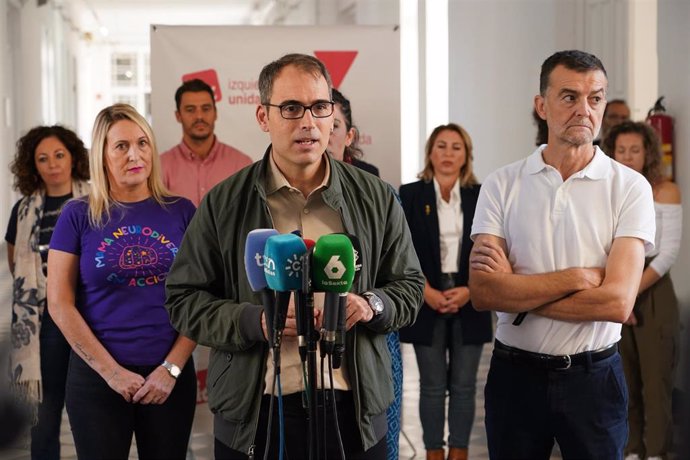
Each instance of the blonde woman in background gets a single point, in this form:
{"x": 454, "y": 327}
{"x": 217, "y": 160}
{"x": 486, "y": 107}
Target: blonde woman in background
{"x": 449, "y": 333}
{"x": 130, "y": 371}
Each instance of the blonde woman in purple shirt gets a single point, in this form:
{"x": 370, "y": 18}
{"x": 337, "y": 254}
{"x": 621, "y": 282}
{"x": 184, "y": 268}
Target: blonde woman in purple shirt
{"x": 130, "y": 372}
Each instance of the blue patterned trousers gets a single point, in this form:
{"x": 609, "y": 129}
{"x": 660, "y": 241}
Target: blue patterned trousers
{"x": 393, "y": 414}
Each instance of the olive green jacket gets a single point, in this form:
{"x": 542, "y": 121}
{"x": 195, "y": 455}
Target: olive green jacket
{"x": 210, "y": 300}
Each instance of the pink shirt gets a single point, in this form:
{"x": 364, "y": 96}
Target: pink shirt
{"x": 189, "y": 176}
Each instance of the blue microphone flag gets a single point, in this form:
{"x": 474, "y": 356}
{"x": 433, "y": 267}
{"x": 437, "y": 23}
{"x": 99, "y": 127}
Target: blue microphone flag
{"x": 283, "y": 262}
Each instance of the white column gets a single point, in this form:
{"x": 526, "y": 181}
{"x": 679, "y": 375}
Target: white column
{"x": 436, "y": 65}
{"x": 409, "y": 90}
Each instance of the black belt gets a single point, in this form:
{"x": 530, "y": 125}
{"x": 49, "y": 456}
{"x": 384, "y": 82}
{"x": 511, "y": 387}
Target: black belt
{"x": 447, "y": 281}
{"x": 551, "y": 362}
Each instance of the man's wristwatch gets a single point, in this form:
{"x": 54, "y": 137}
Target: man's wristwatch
{"x": 375, "y": 302}
{"x": 173, "y": 370}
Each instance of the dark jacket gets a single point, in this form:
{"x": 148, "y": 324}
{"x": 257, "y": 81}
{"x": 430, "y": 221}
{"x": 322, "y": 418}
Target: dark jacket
{"x": 419, "y": 203}
{"x": 210, "y": 299}
{"x": 368, "y": 167}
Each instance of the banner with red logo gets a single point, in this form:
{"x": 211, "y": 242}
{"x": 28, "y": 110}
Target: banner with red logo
{"x": 364, "y": 63}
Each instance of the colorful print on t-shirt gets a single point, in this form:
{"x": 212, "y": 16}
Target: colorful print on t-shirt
{"x": 136, "y": 255}
{"x": 122, "y": 272}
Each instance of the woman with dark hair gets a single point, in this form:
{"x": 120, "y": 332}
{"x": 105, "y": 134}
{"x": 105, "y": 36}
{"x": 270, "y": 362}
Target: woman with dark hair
{"x": 50, "y": 167}
{"x": 449, "y": 333}
{"x": 130, "y": 372}
{"x": 343, "y": 145}
{"x": 650, "y": 337}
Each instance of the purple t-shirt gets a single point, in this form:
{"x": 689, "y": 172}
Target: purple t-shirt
{"x": 122, "y": 271}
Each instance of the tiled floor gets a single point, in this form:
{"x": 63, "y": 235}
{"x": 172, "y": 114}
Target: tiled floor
{"x": 411, "y": 446}
{"x": 411, "y": 426}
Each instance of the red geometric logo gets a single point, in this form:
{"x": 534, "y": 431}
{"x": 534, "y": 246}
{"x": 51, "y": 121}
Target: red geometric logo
{"x": 337, "y": 63}
{"x": 210, "y": 77}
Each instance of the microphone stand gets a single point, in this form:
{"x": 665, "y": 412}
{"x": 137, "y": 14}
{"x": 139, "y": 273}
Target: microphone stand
{"x": 312, "y": 340}
{"x": 339, "y": 348}
{"x": 313, "y": 381}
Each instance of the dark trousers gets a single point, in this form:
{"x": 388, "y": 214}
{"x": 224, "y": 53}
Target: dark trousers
{"x": 583, "y": 408}
{"x": 296, "y": 427}
{"x": 103, "y": 422}
{"x": 55, "y": 351}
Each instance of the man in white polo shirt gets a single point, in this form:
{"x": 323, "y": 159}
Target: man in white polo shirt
{"x": 559, "y": 243}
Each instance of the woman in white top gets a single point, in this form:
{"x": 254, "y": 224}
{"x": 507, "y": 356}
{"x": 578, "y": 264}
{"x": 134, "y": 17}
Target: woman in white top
{"x": 649, "y": 343}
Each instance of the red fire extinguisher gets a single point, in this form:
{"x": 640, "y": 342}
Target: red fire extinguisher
{"x": 663, "y": 124}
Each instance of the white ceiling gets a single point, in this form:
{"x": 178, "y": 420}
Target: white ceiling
{"x": 129, "y": 21}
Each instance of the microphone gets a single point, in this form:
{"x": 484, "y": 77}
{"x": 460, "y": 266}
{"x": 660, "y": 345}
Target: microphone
{"x": 357, "y": 248}
{"x": 303, "y": 300}
{"x": 339, "y": 347}
{"x": 254, "y": 267}
{"x": 283, "y": 271}
{"x": 333, "y": 270}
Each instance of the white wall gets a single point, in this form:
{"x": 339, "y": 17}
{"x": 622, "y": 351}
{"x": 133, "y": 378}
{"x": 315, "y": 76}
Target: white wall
{"x": 7, "y": 118}
{"x": 643, "y": 71}
{"x": 674, "y": 69}
{"x": 380, "y": 12}
{"x": 496, "y": 50}
{"x": 46, "y": 78}
{"x": 6, "y": 136}
{"x": 37, "y": 87}
{"x": 32, "y": 24}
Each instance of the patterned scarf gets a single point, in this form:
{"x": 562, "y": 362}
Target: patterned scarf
{"x": 29, "y": 298}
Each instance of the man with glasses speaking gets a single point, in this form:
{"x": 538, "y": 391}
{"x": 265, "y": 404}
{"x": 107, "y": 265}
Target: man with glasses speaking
{"x": 296, "y": 186}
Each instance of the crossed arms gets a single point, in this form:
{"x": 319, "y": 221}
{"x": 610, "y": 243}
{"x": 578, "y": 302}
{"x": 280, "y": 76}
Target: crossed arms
{"x": 572, "y": 294}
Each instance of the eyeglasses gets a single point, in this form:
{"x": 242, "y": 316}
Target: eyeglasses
{"x": 295, "y": 110}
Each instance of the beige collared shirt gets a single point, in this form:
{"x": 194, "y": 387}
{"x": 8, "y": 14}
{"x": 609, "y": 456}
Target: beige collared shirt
{"x": 291, "y": 211}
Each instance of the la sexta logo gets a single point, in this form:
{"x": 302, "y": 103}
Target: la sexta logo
{"x": 335, "y": 269}
{"x": 208, "y": 76}
{"x": 337, "y": 63}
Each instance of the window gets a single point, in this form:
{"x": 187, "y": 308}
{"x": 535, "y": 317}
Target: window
{"x": 130, "y": 80}
{"x": 124, "y": 69}
{"x": 130, "y": 99}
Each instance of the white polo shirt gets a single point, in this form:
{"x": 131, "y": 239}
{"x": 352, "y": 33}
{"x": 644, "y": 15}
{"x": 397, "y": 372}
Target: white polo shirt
{"x": 550, "y": 224}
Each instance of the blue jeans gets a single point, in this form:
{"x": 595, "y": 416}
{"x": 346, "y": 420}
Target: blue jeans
{"x": 447, "y": 366}
{"x": 45, "y": 435}
{"x": 583, "y": 408}
{"x": 103, "y": 422}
